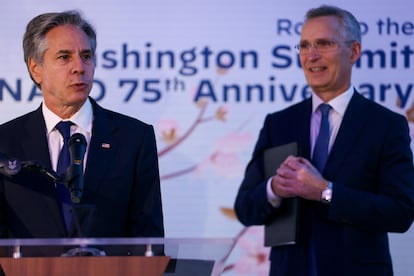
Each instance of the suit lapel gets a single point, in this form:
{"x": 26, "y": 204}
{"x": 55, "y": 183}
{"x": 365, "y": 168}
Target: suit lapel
{"x": 35, "y": 148}
{"x": 349, "y": 130}
{"x": 34, "y": 140}
{"x": 101, "y": 150}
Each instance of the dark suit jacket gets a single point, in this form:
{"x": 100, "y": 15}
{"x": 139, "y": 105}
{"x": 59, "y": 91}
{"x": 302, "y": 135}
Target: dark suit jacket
{"x": 371, "y": 168}
{"x": 121, "y": 181}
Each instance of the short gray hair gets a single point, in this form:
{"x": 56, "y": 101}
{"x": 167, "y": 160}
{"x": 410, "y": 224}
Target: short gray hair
{"x": 352, "y": 29}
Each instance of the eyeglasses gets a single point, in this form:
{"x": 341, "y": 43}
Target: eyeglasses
{"x": 320, "y": 45}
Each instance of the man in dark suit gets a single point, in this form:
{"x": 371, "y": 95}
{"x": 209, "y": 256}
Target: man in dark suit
{"x": 121, "y": 195}
{"x": 365, "y": 187}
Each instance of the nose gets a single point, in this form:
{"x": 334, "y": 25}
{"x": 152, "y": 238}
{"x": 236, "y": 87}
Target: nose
{"x": 313, "y": 52}
{"x": 78, "y": 65}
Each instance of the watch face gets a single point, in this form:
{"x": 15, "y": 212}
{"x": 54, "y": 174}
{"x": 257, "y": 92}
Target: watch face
{"x": 327, "y": 195}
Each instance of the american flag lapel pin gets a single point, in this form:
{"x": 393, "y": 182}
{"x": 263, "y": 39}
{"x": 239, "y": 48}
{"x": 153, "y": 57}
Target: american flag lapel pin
{"x": 106, "y": 145}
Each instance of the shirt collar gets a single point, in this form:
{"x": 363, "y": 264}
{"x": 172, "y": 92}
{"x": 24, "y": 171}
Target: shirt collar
{"x": 339, "y": 103}
{"x": 82, "y": 118}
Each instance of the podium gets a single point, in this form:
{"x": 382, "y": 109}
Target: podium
{"x": 114, "y": 256}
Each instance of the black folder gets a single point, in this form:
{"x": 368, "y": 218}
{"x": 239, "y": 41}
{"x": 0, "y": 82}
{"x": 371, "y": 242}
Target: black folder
{"x": 282, "y": 229}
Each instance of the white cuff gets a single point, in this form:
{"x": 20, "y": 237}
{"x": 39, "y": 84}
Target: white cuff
{"x": 273, "y": 199}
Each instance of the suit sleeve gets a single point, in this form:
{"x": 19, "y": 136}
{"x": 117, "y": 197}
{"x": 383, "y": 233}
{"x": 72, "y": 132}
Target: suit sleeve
{"x": 379, "y": 196}
{"x": 251, "y": 204}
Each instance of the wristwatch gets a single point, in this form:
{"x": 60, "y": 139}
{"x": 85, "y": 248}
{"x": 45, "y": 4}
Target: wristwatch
{"x": 327, "y": 194}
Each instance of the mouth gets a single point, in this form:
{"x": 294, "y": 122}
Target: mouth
{"x": 317, "y": 68}
{"x": 79, "y": 85}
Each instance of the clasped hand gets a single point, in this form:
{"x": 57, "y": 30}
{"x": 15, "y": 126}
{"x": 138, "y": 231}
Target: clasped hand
{"x": 296, "y": 176}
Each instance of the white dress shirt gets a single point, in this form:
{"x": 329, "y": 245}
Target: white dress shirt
{"x": 82, "y": 124}
{"x": 339, "y": 105}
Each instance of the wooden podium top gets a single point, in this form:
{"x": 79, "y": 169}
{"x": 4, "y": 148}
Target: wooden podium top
{"x": 113, "y": 256}
{"x": 84, "y": 266}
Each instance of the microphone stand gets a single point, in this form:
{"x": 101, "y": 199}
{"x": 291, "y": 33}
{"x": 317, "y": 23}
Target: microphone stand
{"x": 52, "y": 176}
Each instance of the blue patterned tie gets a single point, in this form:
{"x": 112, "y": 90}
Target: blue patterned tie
{"x": 320, "y": 151}
{"x": 62, "y": 166}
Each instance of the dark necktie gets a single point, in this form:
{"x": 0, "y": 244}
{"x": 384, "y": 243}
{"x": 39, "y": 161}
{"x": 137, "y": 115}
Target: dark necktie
{"x": 62, "y": 166}
{"x": 320, "y": 156}
{"x": 320, "y": 151}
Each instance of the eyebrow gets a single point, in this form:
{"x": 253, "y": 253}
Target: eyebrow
{"x": 319, "y": 38}
{"x": 71, "y": 51}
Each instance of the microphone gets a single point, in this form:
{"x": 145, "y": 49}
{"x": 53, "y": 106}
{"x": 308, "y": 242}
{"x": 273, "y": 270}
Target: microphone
{"x": 9, "y": 166}
{"x": 74, "y": 174}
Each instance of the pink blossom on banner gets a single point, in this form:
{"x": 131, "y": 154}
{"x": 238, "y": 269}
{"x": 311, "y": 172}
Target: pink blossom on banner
{"x": 221, "y": 163}
{"x": 221, "y": 113}
{"x": 255, "y": 258}
{"x": 225, "y": 160}
{"x": 232, "y": 142}
{"x": 169, "y": 130}
{"x": 412, "y": 131}
{"x": 410, "y": 118}
{"x": 226, "y": 164}
{"x": 410, "y": 113}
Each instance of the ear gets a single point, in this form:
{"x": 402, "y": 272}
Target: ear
{"x": 35, "y": 70}
{"x": 355, "y": 51}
